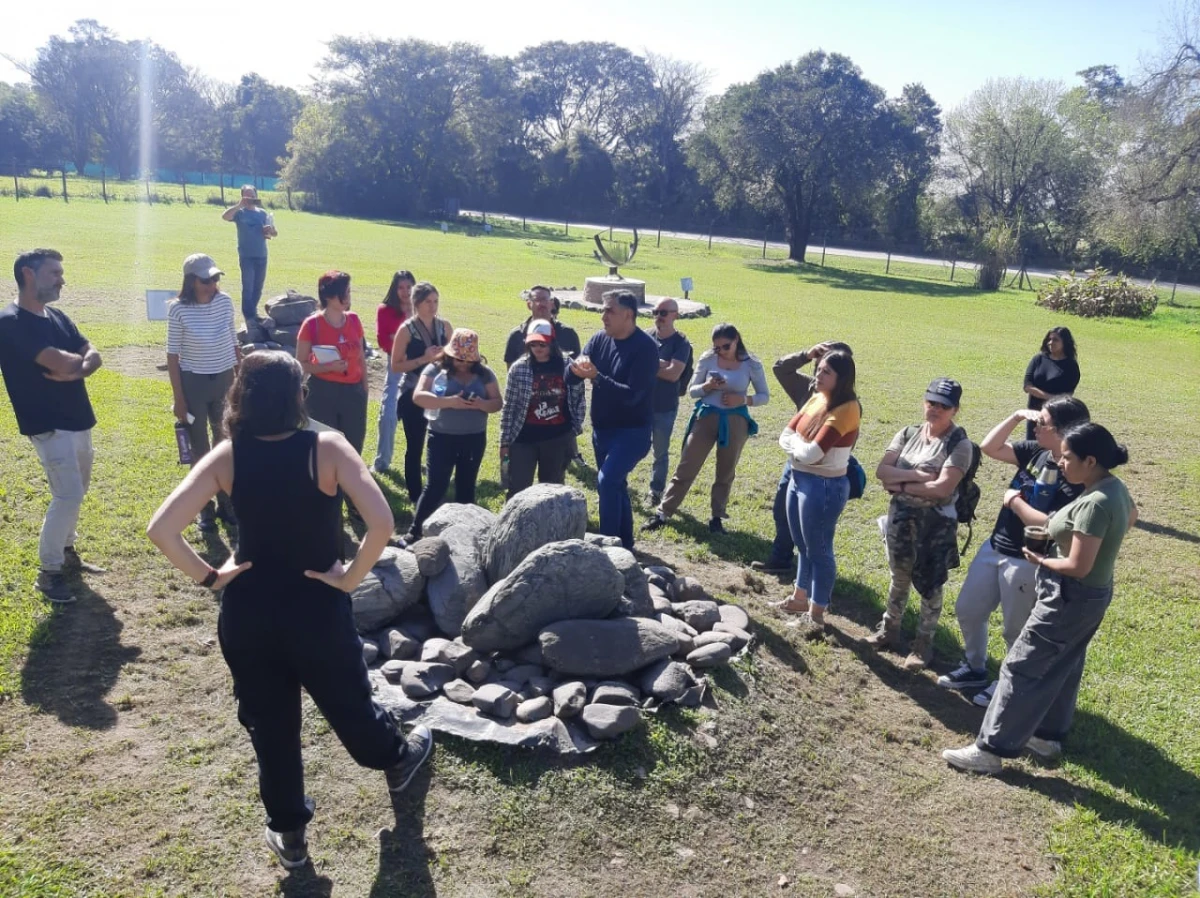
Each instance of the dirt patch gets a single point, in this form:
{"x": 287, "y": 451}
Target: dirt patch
{"x": 137, "y": 361}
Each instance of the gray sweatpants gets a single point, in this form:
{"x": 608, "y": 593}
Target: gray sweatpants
{"x": 993, "y": 580}
{"x": 1039, "y": 681}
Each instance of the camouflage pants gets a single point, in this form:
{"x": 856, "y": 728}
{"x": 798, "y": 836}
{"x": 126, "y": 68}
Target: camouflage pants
{"x": 922, "y": 546}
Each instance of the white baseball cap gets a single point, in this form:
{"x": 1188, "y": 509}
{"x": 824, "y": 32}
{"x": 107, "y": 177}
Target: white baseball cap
{"x": 201, "y": 266}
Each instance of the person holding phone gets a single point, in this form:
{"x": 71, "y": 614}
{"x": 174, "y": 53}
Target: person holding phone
{"x": 457, "y": 393}
{"x": 255, "y": 227}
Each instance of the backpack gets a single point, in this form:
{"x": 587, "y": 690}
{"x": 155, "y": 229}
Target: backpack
{"x": 689, "y": 369}
{"x": 967, "y": 499}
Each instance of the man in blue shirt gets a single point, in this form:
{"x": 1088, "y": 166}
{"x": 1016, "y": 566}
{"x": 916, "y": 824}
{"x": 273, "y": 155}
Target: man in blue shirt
{"x": 622, "y": 364}
{"x": 254, "y": 229}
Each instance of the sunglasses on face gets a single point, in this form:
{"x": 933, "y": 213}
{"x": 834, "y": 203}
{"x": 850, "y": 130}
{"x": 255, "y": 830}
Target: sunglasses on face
{"x": 722, "y": 347}
{"x": 663, "y": 313}
{"x": 943, "y": 406}
{"x": 212, "y": 280}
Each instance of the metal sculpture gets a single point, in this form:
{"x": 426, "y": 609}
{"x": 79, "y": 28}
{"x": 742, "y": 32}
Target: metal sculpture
{"x": 603, "y": 255}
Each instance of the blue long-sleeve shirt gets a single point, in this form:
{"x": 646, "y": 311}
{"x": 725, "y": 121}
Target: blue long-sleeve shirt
{"x": 623, "y": 389}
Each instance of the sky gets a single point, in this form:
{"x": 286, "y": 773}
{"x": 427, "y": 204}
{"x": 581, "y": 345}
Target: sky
{"x": 951, "y": 47}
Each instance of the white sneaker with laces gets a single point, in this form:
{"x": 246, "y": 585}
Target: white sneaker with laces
{"x": 984, "y": 698}
{"x": 973, "y": 759}
{"x": 1046, "y": 749}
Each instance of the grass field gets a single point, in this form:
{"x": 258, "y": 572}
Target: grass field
{"x": 123, "y": 770}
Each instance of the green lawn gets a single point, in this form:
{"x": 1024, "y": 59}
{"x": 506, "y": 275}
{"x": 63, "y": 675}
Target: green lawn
{"x": 1120, "y": 817}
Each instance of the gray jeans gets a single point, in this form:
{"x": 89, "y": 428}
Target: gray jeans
{"x": 1039, "y": 681}
{"x": 549, "y": 458}
{"x": 66, "y": 457}
{"x": 205, "y": 398}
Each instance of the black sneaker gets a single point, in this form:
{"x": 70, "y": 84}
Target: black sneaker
{"x": 964, "y": 677}
{"x": 291, "y": 847}
{"x": 773, "y": 566}
{"x": 418, "y": 745}
{"x": 655, "y": 523}
{"x": 72, "y": 563}
{"x": 715, "y": 526}
{"x": 54, "y": 586}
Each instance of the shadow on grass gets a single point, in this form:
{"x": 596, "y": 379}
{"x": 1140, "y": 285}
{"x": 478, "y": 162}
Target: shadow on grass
{"x": 841, "y": 279}
{"x": 505, "y": 230}
{"x": 74, "y": 660}
{"x": 1164, "y": 530}
{"x": 404, "y": 858}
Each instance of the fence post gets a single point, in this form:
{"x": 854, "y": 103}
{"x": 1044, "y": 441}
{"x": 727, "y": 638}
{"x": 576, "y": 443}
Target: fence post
{"x": 1175, "y": 287}
{"x": 765, "y": 231}
{"x": 824, "y": 246}
{"x": 221, "y": 181}
{"x": 887, "y": 269}
{"x": 953, "y": 264}
{"x": 658, "y": 242}
{"x": 289, "y": 198}
{"x": 567, "y": 227}
{"x": 183, "y": 182}
{"x": 149, "y": 199}
{"x": 64, "y": 183}
{"x": 16, "y": 183}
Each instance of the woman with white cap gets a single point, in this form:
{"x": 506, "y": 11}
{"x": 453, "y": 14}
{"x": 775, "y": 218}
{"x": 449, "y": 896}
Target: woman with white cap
{"x": 202, "y": 353}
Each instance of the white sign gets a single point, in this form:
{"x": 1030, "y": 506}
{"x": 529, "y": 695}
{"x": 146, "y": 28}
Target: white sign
{"x": 445, "y": 227}
{"x": 685, "y": 284}
{"x": 156, "y": 304}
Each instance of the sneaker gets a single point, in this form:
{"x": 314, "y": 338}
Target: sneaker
{"x": 715, "y": 526}
{"x": 655, "y": 523}
{"x": 984, "y": 698}
{"x": 74, "y": 564}
{"x": 53, "y": 585}
{"x": 1046, "y": 749}
{"x": 655, "y": 497}
{"x": 809, "y": 627}
{"x": 885, "y": 635}
{"x": 963, "y": 677}
{"x": 291, "y": 848}
{"x": 973, "y": 759}
{"x": 418, "y": 745}
{"x": 773, "y": 566}
{"x": 920, "y": 654}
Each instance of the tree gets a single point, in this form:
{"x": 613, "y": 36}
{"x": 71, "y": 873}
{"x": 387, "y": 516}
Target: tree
{"x": 29, "y": 137}
{"x": 580, "y": 175}
{"x": 914, "y": 124}
{"x": 802, "y": 141}
{"x": 257, "y": 123}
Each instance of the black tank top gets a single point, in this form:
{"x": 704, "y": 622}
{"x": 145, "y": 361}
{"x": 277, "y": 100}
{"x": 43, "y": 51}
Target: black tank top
{"x": 286, "y": 525}
{"x": 417, "y": 345}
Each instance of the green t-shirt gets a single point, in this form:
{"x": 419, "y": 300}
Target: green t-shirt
{"x": 1102, "y": 511}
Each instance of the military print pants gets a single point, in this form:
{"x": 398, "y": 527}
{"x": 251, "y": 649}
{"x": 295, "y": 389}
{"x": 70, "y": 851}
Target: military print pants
{"x": 922, "y": 546}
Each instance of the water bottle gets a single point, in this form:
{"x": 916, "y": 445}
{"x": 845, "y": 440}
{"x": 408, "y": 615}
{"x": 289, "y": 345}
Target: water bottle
{"x": 504, "y": 471}
{"x": 439, "y": 390}
{"x": 183, "y": 443}
{"x": 1044, "y": 489}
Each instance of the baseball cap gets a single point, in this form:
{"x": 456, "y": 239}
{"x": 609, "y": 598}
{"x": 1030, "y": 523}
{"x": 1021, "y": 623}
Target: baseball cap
{"x": 539, "y": 331}
{"x": 201, "y": 266}
{"x": 945, "y": 391}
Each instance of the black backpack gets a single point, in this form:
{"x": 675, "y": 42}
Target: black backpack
{"x": 969, "y": 493}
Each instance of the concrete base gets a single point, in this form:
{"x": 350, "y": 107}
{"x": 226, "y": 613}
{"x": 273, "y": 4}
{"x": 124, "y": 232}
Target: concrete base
{"x": 595, "y": 288}
{"x": 577, "y": 299}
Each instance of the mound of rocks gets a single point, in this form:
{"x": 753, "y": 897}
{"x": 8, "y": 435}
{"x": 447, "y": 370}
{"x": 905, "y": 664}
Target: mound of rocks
{"x": 281, "y": 325}
{"x": 523, "y": 629}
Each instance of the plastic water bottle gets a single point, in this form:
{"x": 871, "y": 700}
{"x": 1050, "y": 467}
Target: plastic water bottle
{"x": 183, "y": 442}
{"x": 1044, "y": 489}
{"x": 439, "y": 390}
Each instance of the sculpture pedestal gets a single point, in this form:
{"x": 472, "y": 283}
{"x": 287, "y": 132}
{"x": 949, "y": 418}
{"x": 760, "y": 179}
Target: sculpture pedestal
{"x": 595, "y": 288}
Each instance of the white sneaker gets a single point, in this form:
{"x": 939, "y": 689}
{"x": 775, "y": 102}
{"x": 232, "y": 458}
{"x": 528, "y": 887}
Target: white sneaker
{"x": 1046, "y": 749}
{"x": 973, "y": 759}
{"x": 984, "y": 698}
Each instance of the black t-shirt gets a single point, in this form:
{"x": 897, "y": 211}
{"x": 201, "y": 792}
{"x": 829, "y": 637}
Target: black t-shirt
{"x": 674, "y": 348}
{"x": 1053, "y": 376}
{"x": 39, "y": 403}
{"x": 548, "y": 416}
{"x": 1009, "y": 533}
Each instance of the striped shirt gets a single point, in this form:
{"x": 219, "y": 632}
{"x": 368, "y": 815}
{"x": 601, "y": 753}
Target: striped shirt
{"x": 203, "y": 336}
{"x": 819, "y": 441}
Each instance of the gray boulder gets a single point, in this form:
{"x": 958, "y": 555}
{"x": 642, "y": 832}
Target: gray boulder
{"x": 523, "y": 673}
{"x": 697, "y": 614}
{"x": 539, "y": 686}
{"x": 734, "y": 615}
{"x": 660, "y": 570}
{"x": 615, "y": 692}
{"x": 535, "y": 709}
{"x": 455, "y": 590}
{"x": 393, "y": 585}
{"x": 609, "y": 721}
{"x": 688, "y": 589}
{"x": 601, "y": 541}
{"x": 710, "y": 655}
{"x": 543, "y": 513}
{"x": 741, "y": 638}
{"x": 370, "y": 651}
{"x": 421, "y": 680}
{"x": 529, "y": 654}
{"x": 671, "y": 622}
{"x": 432, "y": 554}
{"x": 636, "y": 601}
{"x": 453, "y": 652}
{"x": 560, "y": 581}
{"x": 433, "y": 649}
{"x": 455, "y": 514}
{"x": 478, "y": 671}
{"x": 459, "y": 691}
{"x": 569, "y": 699}
{"x": 291, "y": 308}
{"x": 399, "y": 645}
{"x": 495, "y": 700}
{"x": 605, "y": 648}
{"x": 714, "y": 637}
{"x": 666, "y": 680}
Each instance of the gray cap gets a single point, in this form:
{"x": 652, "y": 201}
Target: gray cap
{"x": 201, "y": 266}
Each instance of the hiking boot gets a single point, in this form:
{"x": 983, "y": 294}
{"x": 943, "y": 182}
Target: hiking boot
{"x": 773, "y": 566}
{"x": 964, "y": 677}
{"x": 1046, "y": 749}
{"x": 73, "y": 564}
{"x": 973, "y": 759}
{"x": 418, "y": 745}
{"x": 53, "y": 585}
{"x": 920, "y": 654}
{"x": 715, "y": 526}
{"x": 655, "y": 523}
{"x": 984, "y": 698}
{"x": 886, "y": 635}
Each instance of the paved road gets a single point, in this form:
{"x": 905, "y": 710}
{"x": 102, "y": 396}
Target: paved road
{"x": 812, "y": 250}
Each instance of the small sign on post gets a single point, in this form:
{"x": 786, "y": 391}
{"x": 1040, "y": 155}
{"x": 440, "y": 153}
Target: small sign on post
{"x": 445, "y": 228}
{"x": 685, "y": 284}
{"x": 156, "y": 304}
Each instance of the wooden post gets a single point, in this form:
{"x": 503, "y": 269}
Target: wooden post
{"x": 824, "y": 246}
{"x": 221, "y": 181}
{"x": 64, "y": 183}
{"x": 887, "y": 269}
{"x": 1174, "y": 287}
{"x": 953, "y": 264}
{"x": 523, "y": 226}
{"x": 103, "y": 185}
{"x": 566, "y": 227}
{"x": 289, "y": 198}
{"x": 16, "y": 183}
{"x": 610, "y": 224}
{"x": 765, "y": 242}
{"x": 658, "y": 242}
{"x": 183, "y": 182}
{"x": 149, "y": 199}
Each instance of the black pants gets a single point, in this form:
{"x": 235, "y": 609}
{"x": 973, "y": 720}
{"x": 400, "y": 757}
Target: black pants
{"x": 460, "y": 453}
{"x": 276, "y": 638}
{"x": 412, "y": 417}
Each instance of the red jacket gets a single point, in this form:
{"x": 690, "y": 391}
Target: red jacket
{"x": 387, "y": 324}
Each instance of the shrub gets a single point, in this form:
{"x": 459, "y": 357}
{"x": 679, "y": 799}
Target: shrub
{"x": 998, "y": 246}
{"x": 1099, "y": 295}
{"x": 44, "y": 192}
{"x": 214, "y": 199}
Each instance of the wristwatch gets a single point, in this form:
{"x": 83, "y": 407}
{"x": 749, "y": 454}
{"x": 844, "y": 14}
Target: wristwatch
{"x": 210, "y": 578}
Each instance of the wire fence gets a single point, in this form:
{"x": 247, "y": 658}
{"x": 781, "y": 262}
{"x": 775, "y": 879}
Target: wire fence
{"x": 69, "y": 186}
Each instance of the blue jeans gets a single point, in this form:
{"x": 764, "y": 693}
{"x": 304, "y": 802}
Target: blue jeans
{"x": 387, "y": 421}
{"x": 660, "y": 440}
{"x": 814, "y": 504}
{"x": 781, "y": 548}
{"x": 254, "y": 275}
{"x": 618, "y": 450}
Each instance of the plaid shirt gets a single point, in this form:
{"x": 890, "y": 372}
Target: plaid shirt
{"x": 518, "y": 392}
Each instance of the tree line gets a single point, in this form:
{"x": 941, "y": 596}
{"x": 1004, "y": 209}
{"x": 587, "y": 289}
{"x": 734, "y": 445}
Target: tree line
{"x": 1103, "y": 171}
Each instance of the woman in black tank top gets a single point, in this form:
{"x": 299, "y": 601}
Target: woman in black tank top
{"x": 286, "y": 618}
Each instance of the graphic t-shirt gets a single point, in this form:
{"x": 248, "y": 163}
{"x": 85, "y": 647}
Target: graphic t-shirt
{"x": 1008, "y": 536}
{"x": 547, "y": 416}
{"x": 347, "y": 339}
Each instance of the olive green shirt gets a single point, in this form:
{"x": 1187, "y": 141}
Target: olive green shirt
{"x": 1102, "y": 511}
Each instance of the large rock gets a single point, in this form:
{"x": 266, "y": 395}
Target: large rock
{"x": 605, "y": 648}
{"x": 432, "y": 554}
{"x": 734, "y": 615}
{"x": 666, "y": 680}
{"x": 495, "y": 700}
{"x": 713, "y": 655}
{"x": 636, "y": 601}
{"x": 478, "y": 521}
{"x": 741, "y": 638}
{"x": 455, "y": 653}
{"x": 543, "y": 513}
{"x": 420, "y": 679}
{"x": 699, "y": 615}
{"x": 535, "y": 709}
{"x": 399, "y": 645}
{"x": 459, "y": 691}
{"x": 454, "y": 591}
{"x": 615, "y": 692}
{"x": 609, "y": 721}
{"x": 560, "y": 581}
{"x": 291, "y": 308}
{"x": 689, "y": 589}
{"x": 604, "y": 542}
{"x": 569, "y": 699}
{"x": 393, "y": 585}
